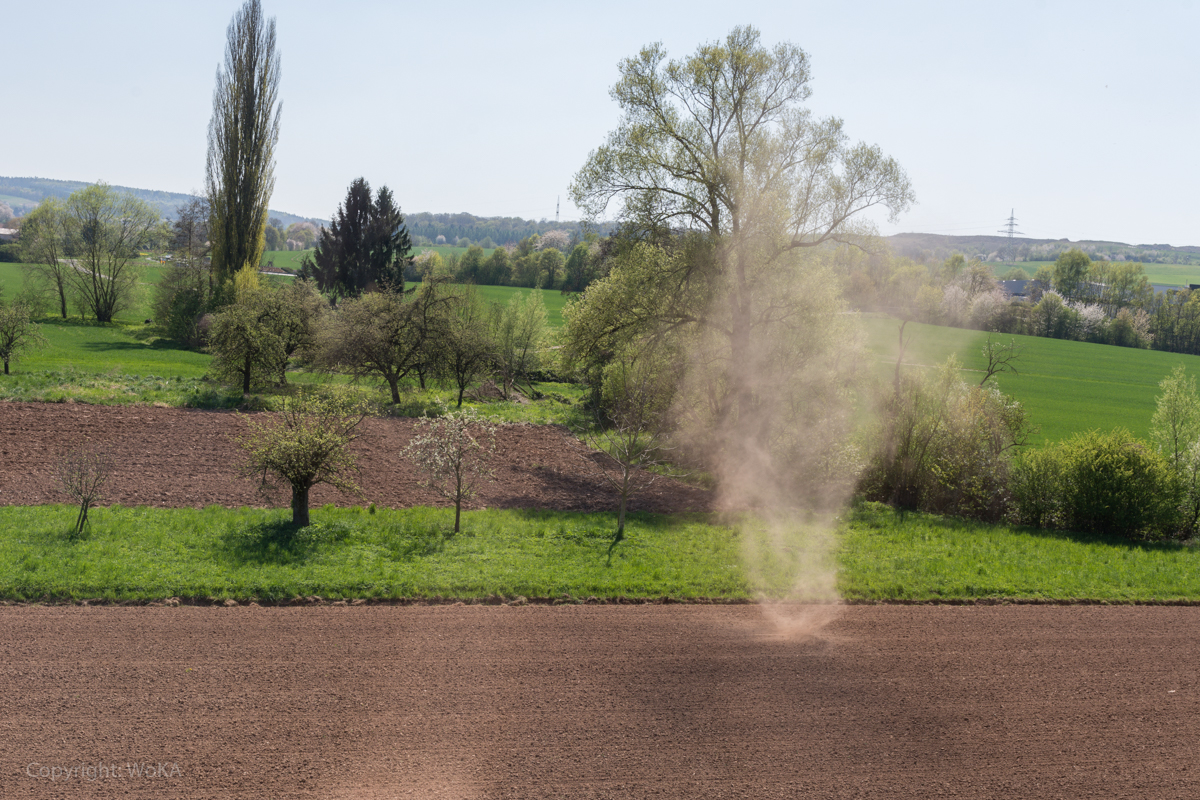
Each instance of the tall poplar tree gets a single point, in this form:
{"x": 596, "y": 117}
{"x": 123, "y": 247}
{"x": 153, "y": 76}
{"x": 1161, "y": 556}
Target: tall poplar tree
{"x": 242, "y": 134}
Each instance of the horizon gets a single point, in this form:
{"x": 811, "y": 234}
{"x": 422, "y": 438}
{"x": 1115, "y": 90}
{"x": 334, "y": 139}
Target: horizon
{"x": 576, "y": 221}
{"x": 497, "y": 108}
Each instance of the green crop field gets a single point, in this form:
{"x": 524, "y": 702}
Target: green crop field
{"x": 285, "y": 259}
{"x": 1067, "y": 387}
{"x": 555, "y": 300}
{"x": 1167, "y": 274}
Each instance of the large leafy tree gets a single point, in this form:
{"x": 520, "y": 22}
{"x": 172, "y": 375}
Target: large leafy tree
{"x": 45, "y": 241}
{"x": 254, "y": 339}
{"x": 386, "y": 334}
{"x": 242, "y": 134}
{"x": 111, "y": 227}
{"x": 716, "y": 161}
{"x": 366, "y": 245}
{"x": 185, "y": 290}
{"x": 1071, "y": 274}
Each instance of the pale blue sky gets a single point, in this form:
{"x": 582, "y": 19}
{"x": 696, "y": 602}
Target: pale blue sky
{"x": 1082, "y": 116}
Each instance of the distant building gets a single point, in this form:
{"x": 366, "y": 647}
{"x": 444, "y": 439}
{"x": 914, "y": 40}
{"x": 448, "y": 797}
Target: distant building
{"x": 8, "y": 235}
{"x": 1016, "y": 289}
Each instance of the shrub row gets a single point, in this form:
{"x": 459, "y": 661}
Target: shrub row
{"x": 948, "y": 448}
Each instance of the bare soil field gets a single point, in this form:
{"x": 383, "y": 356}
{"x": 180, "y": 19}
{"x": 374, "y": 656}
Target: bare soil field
{"x": 184, "y": 458}
{"x": 598, "y": 702}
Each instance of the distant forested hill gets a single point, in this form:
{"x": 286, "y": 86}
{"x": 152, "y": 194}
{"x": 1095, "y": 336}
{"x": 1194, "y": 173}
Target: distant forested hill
{"x": 500, "y": 230}
{"x": 25, "y": 193}
{"x": 932, "y": 246}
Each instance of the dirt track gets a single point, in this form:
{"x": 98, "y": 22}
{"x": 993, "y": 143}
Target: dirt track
{"x": 182, "y": 458}
{"x": 600, "y": 702}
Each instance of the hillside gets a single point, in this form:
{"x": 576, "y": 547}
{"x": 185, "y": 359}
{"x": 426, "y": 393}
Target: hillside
{"x": 926, "y": 246}
{"x": 23, "y": 194}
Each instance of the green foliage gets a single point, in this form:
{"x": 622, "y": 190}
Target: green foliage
{"x": 245, "y": 350}
{"x": 306, "y": 445}
{"x": 716, "y": 162}
{"x": 365, "y": 245}
{"x": 468, "y": 349}
{"x": 46, "y": 238}
{"x": 1071, "y": 271}
{"x": 108, "y": 230}
{"x": 254, "y": 339}
{"x": 1175, "y": 430}
{"x": 942, "y": 445}
{"x": 519, "y": 331}
{"x": 242, "y": 134}
{"x": 386, "y": 335}
{"x": 1102, "y": 482}
{"x": 18, "y": 333}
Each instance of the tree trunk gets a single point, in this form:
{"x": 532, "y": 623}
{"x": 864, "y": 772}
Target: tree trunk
{"x": 457, "y": 512}
{"x": 300, "y": 506}
{"x": 619, "y": 536}
{"x": 6, "y": 366}
{"x": 394, "y": 385}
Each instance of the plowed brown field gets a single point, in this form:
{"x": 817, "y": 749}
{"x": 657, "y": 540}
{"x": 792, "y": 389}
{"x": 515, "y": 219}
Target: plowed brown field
{"x": 598, "y": 702}
{"x": 179, "y": 458}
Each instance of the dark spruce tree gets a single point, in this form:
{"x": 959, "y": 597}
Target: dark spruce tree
{"x": 365, "y": 247}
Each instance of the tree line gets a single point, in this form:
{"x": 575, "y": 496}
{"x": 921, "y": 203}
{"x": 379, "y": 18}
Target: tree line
{"x": 425, "y": 228}
{"x": 1076, "y": 298}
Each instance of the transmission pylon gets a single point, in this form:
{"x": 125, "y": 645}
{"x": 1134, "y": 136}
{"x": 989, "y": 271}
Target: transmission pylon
{"x": 556, "y": 204}
{"x": 1010, "y": 230}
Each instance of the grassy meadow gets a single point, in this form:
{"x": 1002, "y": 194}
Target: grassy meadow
{"x": 147, "y": 553}
{"x": 1067, "y": 387}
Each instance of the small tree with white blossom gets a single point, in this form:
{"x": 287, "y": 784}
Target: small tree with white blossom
{"x": 453, "y": 450}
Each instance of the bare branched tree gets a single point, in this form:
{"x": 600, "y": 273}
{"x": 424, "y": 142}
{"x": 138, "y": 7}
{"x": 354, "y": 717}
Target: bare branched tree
{"x": 1000, "y": 358}
{"x": 82, "y": 473}
{"x": 632, "y": 439}
{"x": 18, "y": 333}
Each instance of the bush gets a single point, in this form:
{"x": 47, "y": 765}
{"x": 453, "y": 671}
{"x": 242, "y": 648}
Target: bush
{"x": 943, "y": 446}
{"x": 1101, "y": 482}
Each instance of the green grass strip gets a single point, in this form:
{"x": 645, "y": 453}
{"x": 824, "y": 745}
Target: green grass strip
{"x": 139, "y": 554}
{"x": 888, "y": 556}
{"x": 148, "y": 553}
